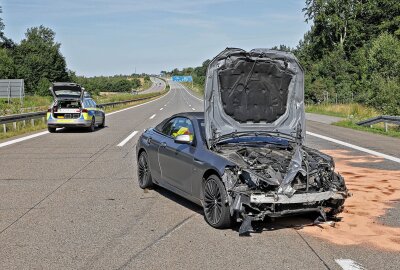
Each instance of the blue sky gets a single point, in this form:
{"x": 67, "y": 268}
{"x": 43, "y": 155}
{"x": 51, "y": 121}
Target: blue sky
{"x": 105, "y": 37}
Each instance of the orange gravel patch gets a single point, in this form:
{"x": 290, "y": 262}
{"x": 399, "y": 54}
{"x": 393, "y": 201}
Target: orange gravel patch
{"x": 374, "y": 191}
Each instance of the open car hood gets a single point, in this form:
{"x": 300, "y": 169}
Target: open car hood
{"x": 257, "y": 91}
{"x": 67, "y": 90}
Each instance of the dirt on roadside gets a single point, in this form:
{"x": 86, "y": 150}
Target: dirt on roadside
{"x": 374, "y": 192}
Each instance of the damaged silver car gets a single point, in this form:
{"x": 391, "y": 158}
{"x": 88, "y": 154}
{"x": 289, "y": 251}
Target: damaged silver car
{"x": 243, "y": 159}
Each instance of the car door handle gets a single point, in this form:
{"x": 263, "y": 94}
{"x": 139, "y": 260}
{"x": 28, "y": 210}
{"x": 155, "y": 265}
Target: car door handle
{"x": 163, "y": 144}
{"x": 198, "y": 161}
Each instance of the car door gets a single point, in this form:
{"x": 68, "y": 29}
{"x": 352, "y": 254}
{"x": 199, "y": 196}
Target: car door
{"x": 176, "y": 159}
{"x": 97, "y": 112}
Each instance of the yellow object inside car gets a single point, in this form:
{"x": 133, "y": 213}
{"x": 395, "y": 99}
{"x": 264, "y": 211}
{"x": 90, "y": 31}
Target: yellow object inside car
{"x": 183, "y": 131}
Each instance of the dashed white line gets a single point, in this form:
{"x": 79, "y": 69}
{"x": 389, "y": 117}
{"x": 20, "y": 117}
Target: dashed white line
{"x": 151, "y": 117}
{"x": 359, "y": 148}
{"x": 348, "y": 264}
{"x": 127, "y": 139}
{"x": 161, "y": 109}
{"x": 190, "y": 105}
{"x": 193, "y": 109}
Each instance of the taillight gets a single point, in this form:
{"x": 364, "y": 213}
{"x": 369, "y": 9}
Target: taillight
{"x": 84, "y": 110}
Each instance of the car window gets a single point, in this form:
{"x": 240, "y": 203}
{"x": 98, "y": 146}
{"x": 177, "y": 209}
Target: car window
{"x": 178, "y": 126}
{"x": 202, "y": 129}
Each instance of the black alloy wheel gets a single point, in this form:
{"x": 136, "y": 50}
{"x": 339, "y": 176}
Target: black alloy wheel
{"x": 216, "y": 210}
{"x": 144, "y": 175}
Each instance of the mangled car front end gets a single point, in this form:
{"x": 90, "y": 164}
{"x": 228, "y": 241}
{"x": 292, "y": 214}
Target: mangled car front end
{"x": 254, "y": 115}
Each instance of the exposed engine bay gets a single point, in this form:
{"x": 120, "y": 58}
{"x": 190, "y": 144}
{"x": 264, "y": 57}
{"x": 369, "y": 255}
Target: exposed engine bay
{"x": 276, "y": 180}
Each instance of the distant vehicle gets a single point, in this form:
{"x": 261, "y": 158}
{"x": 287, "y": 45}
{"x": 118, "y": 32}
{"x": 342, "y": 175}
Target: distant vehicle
{"x": 243, "y": 159}
{"x": 73, "y": 107}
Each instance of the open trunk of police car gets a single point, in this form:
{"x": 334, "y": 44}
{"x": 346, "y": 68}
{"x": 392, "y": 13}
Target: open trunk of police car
{"x": 67, "y": 100}
{"x": 254, "y": 117}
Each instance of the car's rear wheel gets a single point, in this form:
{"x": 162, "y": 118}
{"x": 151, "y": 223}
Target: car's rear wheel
{"x": 103, "y": 122}
{"x": 51, "y": 129}
{"x": 216, "y": 208}
{"x": 144, "y": 174}
{"x": 92, "y": 125}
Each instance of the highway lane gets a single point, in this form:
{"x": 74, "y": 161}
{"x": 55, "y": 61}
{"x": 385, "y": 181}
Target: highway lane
{"x": 157, "y": 86}
{"x": 70, "y": 200}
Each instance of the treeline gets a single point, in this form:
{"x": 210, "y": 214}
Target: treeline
{"x": 37, "y": 59}
{"x": 350, "y": 54}
{"x": 198, "y": 73}
{"x": 117, "y": 83}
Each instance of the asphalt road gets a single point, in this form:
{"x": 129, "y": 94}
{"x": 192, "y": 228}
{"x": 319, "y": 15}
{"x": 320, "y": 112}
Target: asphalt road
{"x": 157, "y": 86}
{"x": 70, "y": 200}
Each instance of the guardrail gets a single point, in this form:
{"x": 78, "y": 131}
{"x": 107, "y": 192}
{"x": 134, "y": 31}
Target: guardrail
{"x": 36, "y": 115}
{"x": 387, "y": 119}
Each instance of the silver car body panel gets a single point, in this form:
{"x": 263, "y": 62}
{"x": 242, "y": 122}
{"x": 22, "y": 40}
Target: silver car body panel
{"x": 260, "y": 91}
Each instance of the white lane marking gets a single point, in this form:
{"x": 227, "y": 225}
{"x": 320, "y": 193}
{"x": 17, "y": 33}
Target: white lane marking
{"x": 193, "y": 109}
{"x": 190, "y": 105}
{"x": 161, "y": 109}
{"x": 165, "y": 105}
{"x": 46, "y": 132}
{"x": 127, "y": 139}
{"x": 348, "y": 264}
{"x": 151, "y": 117}
{"x": 23, "y": 138}
{"x": 359, "y": 148}
{"x": 191, "y": 94}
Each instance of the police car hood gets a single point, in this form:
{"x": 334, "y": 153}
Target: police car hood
{"x": 257, "y": 91}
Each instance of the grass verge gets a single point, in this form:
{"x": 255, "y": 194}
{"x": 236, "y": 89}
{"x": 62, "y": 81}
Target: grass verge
{"x": 196, "y": 88}
{"x": 353, "y": 113}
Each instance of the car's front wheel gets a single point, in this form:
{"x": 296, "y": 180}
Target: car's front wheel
{"x": 216, "y": 208}
{"x": 144, "y": 175}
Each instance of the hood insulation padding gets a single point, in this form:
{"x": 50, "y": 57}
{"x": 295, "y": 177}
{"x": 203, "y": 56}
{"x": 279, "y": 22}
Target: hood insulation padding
{"x": 264, "y": 99}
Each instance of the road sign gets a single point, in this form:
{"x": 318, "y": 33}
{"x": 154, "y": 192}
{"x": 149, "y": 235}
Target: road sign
{"x": 182, "y": 78}
{"x": 12, "y": 89}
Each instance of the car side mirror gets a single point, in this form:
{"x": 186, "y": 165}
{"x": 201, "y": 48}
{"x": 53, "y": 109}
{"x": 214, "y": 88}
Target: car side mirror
{"x": 183, "y": 139}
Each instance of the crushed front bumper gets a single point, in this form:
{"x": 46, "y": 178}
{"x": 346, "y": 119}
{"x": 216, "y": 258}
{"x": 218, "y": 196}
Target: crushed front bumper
{"x": 256, "y": 206}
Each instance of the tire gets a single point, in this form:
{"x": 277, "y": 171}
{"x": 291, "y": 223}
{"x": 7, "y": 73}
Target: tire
{"x": 92, "y": 125}
{"x": 51, "y": 129}
{"x": 103, "y": 122}
{"x": 144, "y": 173}
{"x": 216, "y": 208}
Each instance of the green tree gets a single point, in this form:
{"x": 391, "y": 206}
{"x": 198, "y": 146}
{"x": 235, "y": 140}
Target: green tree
{"x": 7, "y": 67}
{"x": 383, "y": 66}
{"x": 348, "y": 23}
{"x": 43, "y": 87}
{"x": 38, "y": 56}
